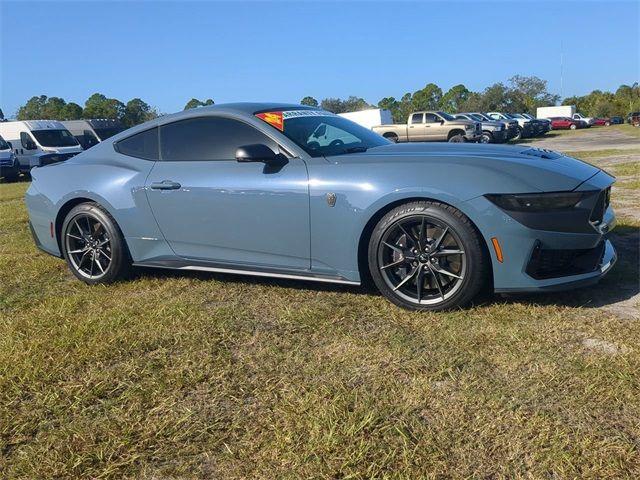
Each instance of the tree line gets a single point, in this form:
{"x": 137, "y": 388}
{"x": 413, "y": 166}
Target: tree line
{"x": 131, "y": 113}
{"x": 519, "y": 94}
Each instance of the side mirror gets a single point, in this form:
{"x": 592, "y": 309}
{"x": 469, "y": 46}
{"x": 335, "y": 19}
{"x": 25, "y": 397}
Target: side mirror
{"x": 259, "y": 152}
{"x": 441, "y": 122}
{"x": 29, "y": 145}
{"x": 320, "y": 131}
{"x": 10, "y": 145}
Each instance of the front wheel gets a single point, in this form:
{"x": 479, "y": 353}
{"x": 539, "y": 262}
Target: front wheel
{"x": 93, "y": 245}
{"x": 486, "y": 137}
{"x": 427, "y": 256}
{"x": 607, "y": 124}
{"x": 457, "y": 139}
{"x": 518, "y": 135}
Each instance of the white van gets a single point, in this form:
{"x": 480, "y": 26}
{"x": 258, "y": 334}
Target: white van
{"x": 8, "y": 163}
{"x": 92, "y": 131}
{"x": 36, "y": 143}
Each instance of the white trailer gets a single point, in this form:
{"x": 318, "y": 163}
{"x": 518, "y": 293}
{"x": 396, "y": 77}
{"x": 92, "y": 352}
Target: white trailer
{"x": 557, "y": 111}
{"x": 369, "y": 118}
{"x": 36, "y": 143}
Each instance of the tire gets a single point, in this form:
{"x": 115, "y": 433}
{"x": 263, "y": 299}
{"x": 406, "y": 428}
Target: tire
{"x": 403, "y": 268}
{"x": 486, "y": 137}
{"x": 457, "y": 139}
{"x": 391, "y": 137}
{"x": 93, "y": 245}
{"x": 518, "y": 134}
{"x": 607, "y": 124}
{"x": 573, "y": 126}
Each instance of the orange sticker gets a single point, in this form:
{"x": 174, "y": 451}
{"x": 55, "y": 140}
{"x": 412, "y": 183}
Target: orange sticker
{"x": 272, "y": 118}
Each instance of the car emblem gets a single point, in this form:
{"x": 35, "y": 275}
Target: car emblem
{"x": 331, "y": 199}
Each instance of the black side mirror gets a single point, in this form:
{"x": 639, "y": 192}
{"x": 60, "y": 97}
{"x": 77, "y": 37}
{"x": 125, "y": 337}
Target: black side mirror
{"x": 259, "y": 152}
{"x": 29, "y": 144}
{"x": 10, "y": 145}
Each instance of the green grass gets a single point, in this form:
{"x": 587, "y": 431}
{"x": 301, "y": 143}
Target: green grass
{"x": 589, "y": 155}
{"x": 201, "y": 376}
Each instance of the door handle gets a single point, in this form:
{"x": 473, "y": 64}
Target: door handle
{"x": 165, "y": 185}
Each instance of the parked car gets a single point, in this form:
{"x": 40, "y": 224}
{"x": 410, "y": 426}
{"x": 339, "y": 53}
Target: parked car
{"x": 587, "y": 120}
{"x": 93, "y": 131}
{"x": 9, "y": 168}
{"x": 431, "y": 127}
{"x": 492, "y": 131}
{"x": 39, "y": 142}
{"x": 601, "y": 122}
{"x": 633, "y": 119}
{"x": 545, "y": 122}
{"x": 513, "y": 129}
{"x": 525, "y": 126}
{"x": 616, "y": 120}
{"x": 539, "y": 127}
{"x": 563, "y": 123}
{"x": 250, "y": 189}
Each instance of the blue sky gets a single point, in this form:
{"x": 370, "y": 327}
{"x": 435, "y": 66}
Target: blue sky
{"x": 167, "y": 52}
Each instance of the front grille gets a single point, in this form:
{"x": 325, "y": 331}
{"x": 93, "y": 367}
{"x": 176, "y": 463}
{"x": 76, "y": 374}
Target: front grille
{"x": 548, "y": 263}
{"x": 601, "y": 205}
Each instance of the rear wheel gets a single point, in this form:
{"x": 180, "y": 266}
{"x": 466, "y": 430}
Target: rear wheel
{"x": 391, "y": 136}
{"x": 427, "y": 256}
{"x": 607, "y": 124}
{"x": 573, "y": 126}
{"x": 93, "y": 245}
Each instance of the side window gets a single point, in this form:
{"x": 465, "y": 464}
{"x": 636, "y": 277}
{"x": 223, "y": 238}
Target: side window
{"x": 141, "y": 145}
{"x": 431, "y": 118}
{"x": 208, "y": 138}
{"x": 89, "y": 139}
{"x": 26, "y": 141}
{"x": 416, "y": 118}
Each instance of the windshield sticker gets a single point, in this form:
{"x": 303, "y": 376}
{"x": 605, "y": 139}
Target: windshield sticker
{"x": 277, "y": 118}
{"x": 272, "y": 118}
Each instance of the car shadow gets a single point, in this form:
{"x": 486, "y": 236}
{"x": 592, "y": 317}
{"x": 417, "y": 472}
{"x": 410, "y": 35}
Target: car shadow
{"x": 621, "y": 284}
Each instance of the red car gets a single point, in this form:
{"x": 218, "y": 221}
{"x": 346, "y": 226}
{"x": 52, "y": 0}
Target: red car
{"x": 601, "y": 122}
{"x": 559, "y": 123}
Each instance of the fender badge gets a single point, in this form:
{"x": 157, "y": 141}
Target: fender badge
{"x": 331, "y": 199}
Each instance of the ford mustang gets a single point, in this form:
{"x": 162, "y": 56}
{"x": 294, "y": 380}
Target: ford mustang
{"x": 296, "y": 192}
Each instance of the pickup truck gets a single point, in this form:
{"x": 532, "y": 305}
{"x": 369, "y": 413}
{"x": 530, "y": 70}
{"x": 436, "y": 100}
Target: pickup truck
{"x": 432, "y": 127}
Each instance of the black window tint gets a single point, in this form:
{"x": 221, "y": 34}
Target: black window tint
{"x": 431, "y": 118}
{"x": 416, "y": 118}
{"x": 142, "y": 145}
{"x": 208, "y": 138}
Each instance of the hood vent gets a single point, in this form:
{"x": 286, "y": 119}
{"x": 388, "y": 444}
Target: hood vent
{"x": 542, "y": 153}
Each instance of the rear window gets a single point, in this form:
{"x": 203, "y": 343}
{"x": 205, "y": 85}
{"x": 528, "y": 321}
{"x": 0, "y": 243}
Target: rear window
{"x": 141, "y": 145}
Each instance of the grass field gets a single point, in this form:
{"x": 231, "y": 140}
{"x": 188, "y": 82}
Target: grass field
{"x": 183, "y": 376}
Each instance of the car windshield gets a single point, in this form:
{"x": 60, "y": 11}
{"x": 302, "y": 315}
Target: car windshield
{"x": 321, "y": 133}
{"x": 55, "y": 138}
{"x": 477, "y": 117}
{"x": 516, "y": 115}
{"x": 446, "y": 116}
{"x": 104, "y": 133}
{"x": 3, "y": 145}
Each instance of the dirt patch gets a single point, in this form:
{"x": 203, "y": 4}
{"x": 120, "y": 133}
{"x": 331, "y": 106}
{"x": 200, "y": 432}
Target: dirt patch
{"x": 595, "y": 138}
{"x": 600, "y": 346}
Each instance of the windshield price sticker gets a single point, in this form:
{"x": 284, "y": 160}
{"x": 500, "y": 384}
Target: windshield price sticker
{"x": 277, "y": 119}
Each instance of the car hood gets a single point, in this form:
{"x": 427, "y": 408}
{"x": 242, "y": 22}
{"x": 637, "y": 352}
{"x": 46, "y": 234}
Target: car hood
{"x": 544, "y": 170}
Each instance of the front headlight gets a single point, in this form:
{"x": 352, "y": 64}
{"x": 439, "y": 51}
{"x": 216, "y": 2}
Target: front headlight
{"x": 536, "y": 202}
{"x": 469, "y": 127}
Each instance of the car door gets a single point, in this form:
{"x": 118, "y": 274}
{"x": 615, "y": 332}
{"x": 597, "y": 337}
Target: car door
{"x": 416, "y": 128}
{"x": 213, "y": 208}
{"x": 436, "y": 131}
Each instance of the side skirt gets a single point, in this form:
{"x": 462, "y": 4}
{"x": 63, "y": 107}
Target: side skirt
{"x": 313, "y": 277}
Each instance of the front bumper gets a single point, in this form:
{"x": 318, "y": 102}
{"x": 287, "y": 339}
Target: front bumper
{"x": 543, "y": 260}
{"x": 500, "y": 135}
{"x": 7, "y": 170}
{"x": 472, "y": 136}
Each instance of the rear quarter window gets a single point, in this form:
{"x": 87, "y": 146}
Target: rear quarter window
{"x": 141, "y": 145}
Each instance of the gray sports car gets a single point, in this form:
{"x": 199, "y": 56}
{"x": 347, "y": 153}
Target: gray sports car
{"x": 296, "y": 192}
